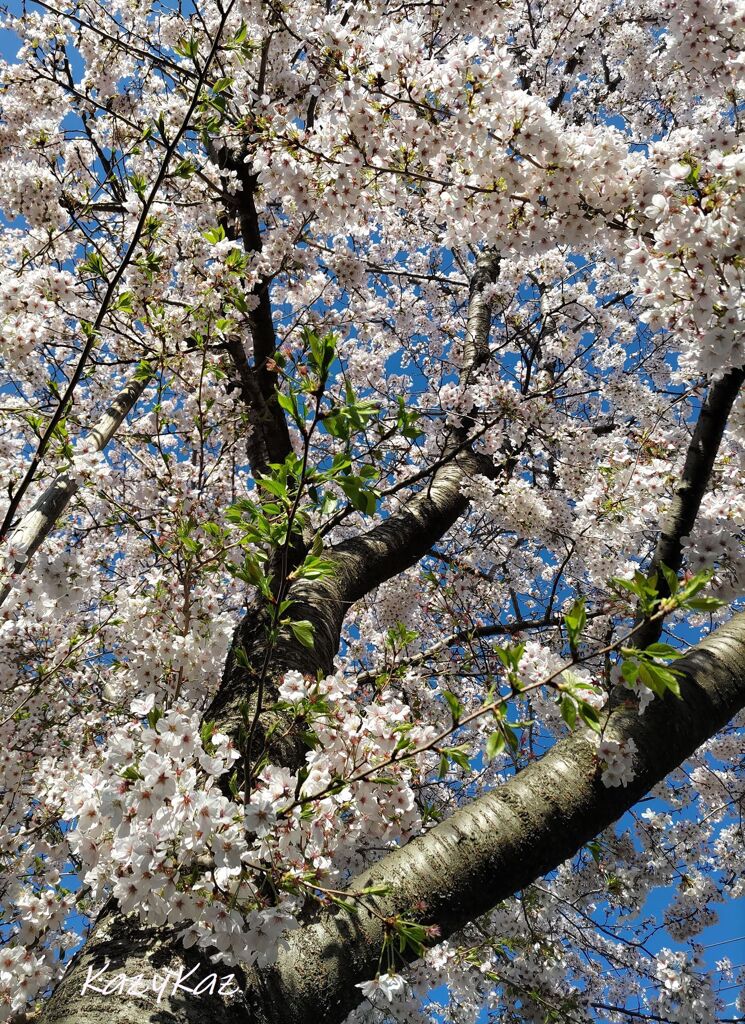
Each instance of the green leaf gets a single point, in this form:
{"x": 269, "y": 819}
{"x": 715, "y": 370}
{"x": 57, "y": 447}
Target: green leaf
{"x": 314, "y": 569}
{"x": 671, "y": 579}
{"x": 705, "y": 604}
{"x": 335, "y": 423}
{"x": 399, "y": 636}
{"x": 275, "y": 487}
{"x": 240, "y": 37}
{"x": 575, "y": 620}
{"x": 185, "y": 169}
{"x": 510, "y": 658}
{"x": 658, "y": 679}
{"x": 322, "y": 351}
{"x": 459, "y": 756}
{"x": 630, "y": 671}
{"x": 215, "y": 235}
{"x": 588, "y": 714}
{"x": 645, "y": 589}
{"x": 289, "y": 404}
{"x": 660, "y": 650}
{"x": 154, "y": 716}
{"x": 568, "y": 711}
{"x": 124, "y": 303}
{"x": 495, "y": 744}
{"x": 595, "y": 850}
{"x": 456, "y": 709}
{"x": 374, "y": 890}
{"x": 139, "y": 184}
{"x": 302, "y": 630}
{"x": 692, "y": 587}
{"x": 94, "y": 264}
{"x": 362, "y": 498}
{"x": 513, "y": 741}
{"x": 222, "y": 84}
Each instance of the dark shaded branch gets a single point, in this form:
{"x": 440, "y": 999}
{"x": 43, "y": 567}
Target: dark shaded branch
{"x": 257, "y": 414}
{"x": 271, "y": 418}
{"x": 362, "y": 563}
{"x": 258, "y": 383}
{"x": 700, "y": 458}
{"x": 569, "y": 68}
{"x": 476, "y": 344}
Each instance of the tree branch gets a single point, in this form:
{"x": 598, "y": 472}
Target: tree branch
{"x": 466, "y": 636}
{"x": 39, "y": 521}
{"x": 699, "y": 462}
{"x": 269, "y": 416}
{"x": 406, "y": 536}
{"x": 495, "y": 846}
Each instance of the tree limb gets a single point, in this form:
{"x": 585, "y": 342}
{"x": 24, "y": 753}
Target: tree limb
{"x": 39, "y": 521}
{"x": 495, "y": 846}
{"x": 699, "y": 462}
{"x": 259, "y": 382}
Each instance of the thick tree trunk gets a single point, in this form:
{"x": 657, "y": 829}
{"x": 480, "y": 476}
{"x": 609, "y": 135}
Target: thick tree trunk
{"x": 148, "y": 960}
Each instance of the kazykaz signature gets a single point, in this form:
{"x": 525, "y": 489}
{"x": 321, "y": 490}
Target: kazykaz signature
{"x": 142, "y": 986}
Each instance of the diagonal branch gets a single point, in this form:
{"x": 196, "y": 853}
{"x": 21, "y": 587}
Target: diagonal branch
{"x": 39, "y": 521}
{"x": 366, "y": 561}
{"x": 495, "y": 846}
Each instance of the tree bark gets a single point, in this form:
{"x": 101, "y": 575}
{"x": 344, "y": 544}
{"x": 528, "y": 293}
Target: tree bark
{"x": 120, "y": 946}
{"x": 498, "y": 844}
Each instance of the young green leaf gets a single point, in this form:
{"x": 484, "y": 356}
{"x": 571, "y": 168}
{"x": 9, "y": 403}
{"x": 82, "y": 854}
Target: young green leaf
{"x": 303, "y": 632}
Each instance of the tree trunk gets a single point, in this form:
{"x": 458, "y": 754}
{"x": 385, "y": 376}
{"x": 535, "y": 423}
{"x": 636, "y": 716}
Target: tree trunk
{"x": 150, "y": 960}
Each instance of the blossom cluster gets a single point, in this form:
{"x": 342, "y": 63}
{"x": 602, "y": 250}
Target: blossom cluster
{"x": 617, "y": 758}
